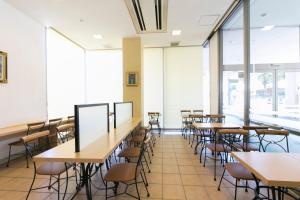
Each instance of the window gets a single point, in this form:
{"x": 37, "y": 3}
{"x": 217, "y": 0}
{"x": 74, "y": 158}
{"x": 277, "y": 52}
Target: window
{"x": 274, "y": 59}
{"x": 232, "y": 61}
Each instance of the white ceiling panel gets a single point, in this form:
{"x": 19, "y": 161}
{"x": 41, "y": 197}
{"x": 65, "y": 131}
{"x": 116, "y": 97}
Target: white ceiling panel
{"x": 81, "y": 19}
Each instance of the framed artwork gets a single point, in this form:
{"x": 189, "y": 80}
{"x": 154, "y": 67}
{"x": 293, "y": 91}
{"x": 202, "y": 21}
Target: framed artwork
{"x": 132, "y": 78}
{"x": 3, "y": 67}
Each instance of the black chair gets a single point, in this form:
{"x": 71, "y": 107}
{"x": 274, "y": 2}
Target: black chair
{"x": 126, "y": 173}
{"x": 31, "y": 128}
{"x": 52, "y": 169}
{"x": 154, "y": 121}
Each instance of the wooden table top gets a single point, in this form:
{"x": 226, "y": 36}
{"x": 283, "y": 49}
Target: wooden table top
{"x": 96, "y": 152}
{"x": 215, "y": 125}
{"x": 273, "y": 169}
{"x": 17, "y": 130}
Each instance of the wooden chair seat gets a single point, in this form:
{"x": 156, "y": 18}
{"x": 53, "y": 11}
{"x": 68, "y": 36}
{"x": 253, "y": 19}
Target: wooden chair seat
{"x": 122, "y": 172}
{"x": 218, "y": 147}
{"x": 130, "y": 152}
{"x": 236, "y": 170}
{"x": 53, "y": 168}
{"x": 137, "y": 138}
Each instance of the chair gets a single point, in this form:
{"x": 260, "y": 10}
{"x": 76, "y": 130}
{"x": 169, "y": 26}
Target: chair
{"x": 273, "y": 138}
{"x": 126, "y": 173}
{"x": 31, "y": 128}
{"x": 236, "y": 170}
{"x": 215, "y": 118}
{"x": 196, "y": 118}
{"x": 186, "y": 122}
{"x": 222, "y": 145}
{"x": 133, "y": 152}
{"x": 53, "y": 169}
{"x": 53, "y": 124}
{"x": 154, "y": 120}
{"x": 65, "y": 132}
{"x": 198, "y": 112}
{"x": 251, "y": 144}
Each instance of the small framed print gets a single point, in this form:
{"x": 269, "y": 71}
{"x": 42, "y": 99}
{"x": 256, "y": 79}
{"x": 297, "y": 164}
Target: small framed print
{"x": 3, "y": 67}
{"x": 132, "y": 78}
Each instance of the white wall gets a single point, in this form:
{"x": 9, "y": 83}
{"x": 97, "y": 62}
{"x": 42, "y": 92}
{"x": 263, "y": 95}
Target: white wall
{"x": 104, "y": 76}
{"x": 183, "y": 82}
{"x": 65, "y": 75}
{"x": 153, "y": 82}
{"x": 214, "y": 73}
{"x": 23, "y": 98}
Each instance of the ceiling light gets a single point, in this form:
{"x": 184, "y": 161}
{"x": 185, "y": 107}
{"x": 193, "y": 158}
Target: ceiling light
{"x": 98, "y": 36}
{"x": 267, "y": 28}
{"x": 176, "y": 32}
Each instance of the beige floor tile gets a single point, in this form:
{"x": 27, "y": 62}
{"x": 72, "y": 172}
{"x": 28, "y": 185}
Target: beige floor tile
{"x": 156, "y": 168}
{"x": 187, "y": 169}
{"x": 172, "y": 179}
{"x": 214, "y": 194}
{"x": 182, "y": 161}
{"x": 169, "y": 161}
{"x": 170, "y": 169}
{"x": 155, "y": 178}
{"x": 183, "y": 155}
{"x": 195, "y": 193}
{"x": 194, "y": 180}
{"x": 173, "y": 192}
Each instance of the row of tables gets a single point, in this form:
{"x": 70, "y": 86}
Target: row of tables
{"x": 276, "y": 170}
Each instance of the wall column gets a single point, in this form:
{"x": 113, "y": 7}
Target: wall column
{"x": 133, "y": 62}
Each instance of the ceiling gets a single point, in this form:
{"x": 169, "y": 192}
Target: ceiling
{"x": 79, "y": 20}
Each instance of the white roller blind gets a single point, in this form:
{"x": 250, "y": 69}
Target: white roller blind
{"x": 104, "y": 76}
{"x": 153, "y": 82}
{"x": 65, "y": 75}
{"x": 183, "y": 82}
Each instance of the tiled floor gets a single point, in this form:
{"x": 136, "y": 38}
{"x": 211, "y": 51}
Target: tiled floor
{"x": 176, "y": 173}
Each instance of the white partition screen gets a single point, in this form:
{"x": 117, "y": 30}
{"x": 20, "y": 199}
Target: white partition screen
{"x": 123, "y": 111}
{"x": 91, "y": 122}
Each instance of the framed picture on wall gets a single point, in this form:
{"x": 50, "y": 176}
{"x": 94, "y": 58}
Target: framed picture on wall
{"x": 132, "y": 78}
{"x": 3, "y": 67}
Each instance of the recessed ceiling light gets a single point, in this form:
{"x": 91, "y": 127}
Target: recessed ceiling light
{"x": 176, "y": 32}
{"x": 267, "y": 28}
{"x": 98, "y": 36}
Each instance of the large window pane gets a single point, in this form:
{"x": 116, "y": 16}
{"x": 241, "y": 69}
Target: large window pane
{"x": 233, "y": 59}
{"x": 275, "y": 67}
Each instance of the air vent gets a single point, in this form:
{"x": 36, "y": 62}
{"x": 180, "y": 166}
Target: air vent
{"x": 148, "y": 16}
{"x": 175, "y": 44}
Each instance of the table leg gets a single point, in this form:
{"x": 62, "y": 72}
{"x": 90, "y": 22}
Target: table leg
{"x": 273, "y": 193}
{"x": 86, "y": 180}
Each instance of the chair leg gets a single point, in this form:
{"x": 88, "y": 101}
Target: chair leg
{"x": 235, "y": 189}
{"x": 7, "y": 165}
{"x": 105, "y": 183}
{"x": 221, "y": 179}
{"x": 204, "y": 157}
{"x": 246, "y": 189}
{"x": 34, "y": 176}
{"x": 67, "y": 180}
{"x": 145, "y": 184}
{"x": 58, "y": 186}
{"x": 27, "y": 159}
{"x": 137, "y": 189}
{"x": 149, "y": 171}
{"x": 49, "y": 186}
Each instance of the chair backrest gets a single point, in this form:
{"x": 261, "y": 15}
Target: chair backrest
{"x": 71, "y": 119}
{"x": 233, "y": 138}
{"x": 216, "y": 118}
{"x": 255, "y": 127}
{"x": 35, "y": 127}
{"x": 153, "y": 116}
{"x": 197, "y": 117}
{"x": 33, "y": 138}
{"x": 139, "y": 162}
{"x": 274, "y": 138}
{"x": 185, "y": 112}
{"x": 55, "y": 122}
{"x": 197, "y": 111}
